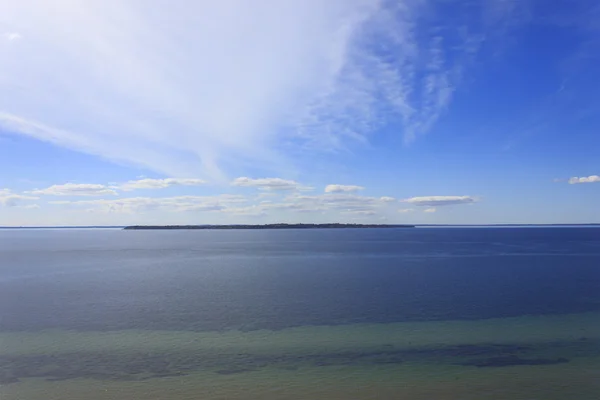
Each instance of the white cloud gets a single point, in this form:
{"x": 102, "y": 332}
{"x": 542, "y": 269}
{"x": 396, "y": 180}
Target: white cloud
{"x": 269, "y": 184}
{"x": 75, "y": 189}
{"x": 435, "y": 201}
{"x": 209, "y": 85}
{"x": 406, "y": 210}
{"x": 160, "y": 183}
{"x": 10, "y": 36}
{"x": 584, "y": 179}
{"x": 430, "y": 210}
{"x": 342, "y": 188}
{"x": 387, "y": 199}
{"x": 10, "y": 199}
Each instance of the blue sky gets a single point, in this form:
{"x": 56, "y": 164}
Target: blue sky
{"x": 415, "y": 111}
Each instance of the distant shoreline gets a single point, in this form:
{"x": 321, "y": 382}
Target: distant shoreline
{"x": 267, "y": 226}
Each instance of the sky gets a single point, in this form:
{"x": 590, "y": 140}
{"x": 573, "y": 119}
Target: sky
{"x": 118, "y": 112}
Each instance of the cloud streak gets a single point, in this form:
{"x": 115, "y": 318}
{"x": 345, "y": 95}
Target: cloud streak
{"x": 10, "y": 36}
{"x": 75, "y": 189}
{"x": 274, "y": 184}
{"x": 342, "y": 188}
{"x": 180, "y": 91}
{"x": 436, "y": 201}
{"x": 160, "y": 183}
{"x": 343, "y": 202}
{"x": 132, "y": 205}
{"x": 10, "y": 199}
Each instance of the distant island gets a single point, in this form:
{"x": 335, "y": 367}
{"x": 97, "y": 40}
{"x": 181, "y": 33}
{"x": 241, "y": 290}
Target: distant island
{"x": 268, "y": 226}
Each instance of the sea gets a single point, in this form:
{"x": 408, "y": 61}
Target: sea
{"x": 410, "y": 313}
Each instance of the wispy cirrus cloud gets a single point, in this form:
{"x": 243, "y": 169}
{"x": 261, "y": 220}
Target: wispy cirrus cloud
{"x": 584, "y": 179}
{"x": 180, "y": 91}
{"x": 75, "y": 189}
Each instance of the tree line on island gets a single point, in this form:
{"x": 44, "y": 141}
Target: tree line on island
{"x": 269, "y": 226}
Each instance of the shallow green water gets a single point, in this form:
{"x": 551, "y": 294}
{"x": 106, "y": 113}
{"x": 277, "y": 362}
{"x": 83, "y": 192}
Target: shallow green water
{"x": 528, "y": 357}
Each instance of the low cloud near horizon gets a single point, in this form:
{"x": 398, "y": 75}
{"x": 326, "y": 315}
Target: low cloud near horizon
{"x": 276, "y": 198}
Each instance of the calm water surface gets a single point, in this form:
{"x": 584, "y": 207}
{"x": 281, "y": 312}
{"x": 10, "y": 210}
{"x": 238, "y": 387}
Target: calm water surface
{"x": 444, "y": 313}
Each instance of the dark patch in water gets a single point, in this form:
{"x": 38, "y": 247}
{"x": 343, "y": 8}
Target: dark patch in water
{"x": 143, "y": 366}
{"x": 5, "y": 379}
{"x": 510, "y": 361}
{"x": 233, "y": 371}
{"x": 168, "y": 375}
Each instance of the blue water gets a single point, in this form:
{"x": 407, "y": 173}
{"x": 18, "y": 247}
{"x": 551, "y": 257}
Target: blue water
{"x": 217, "y": 280}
